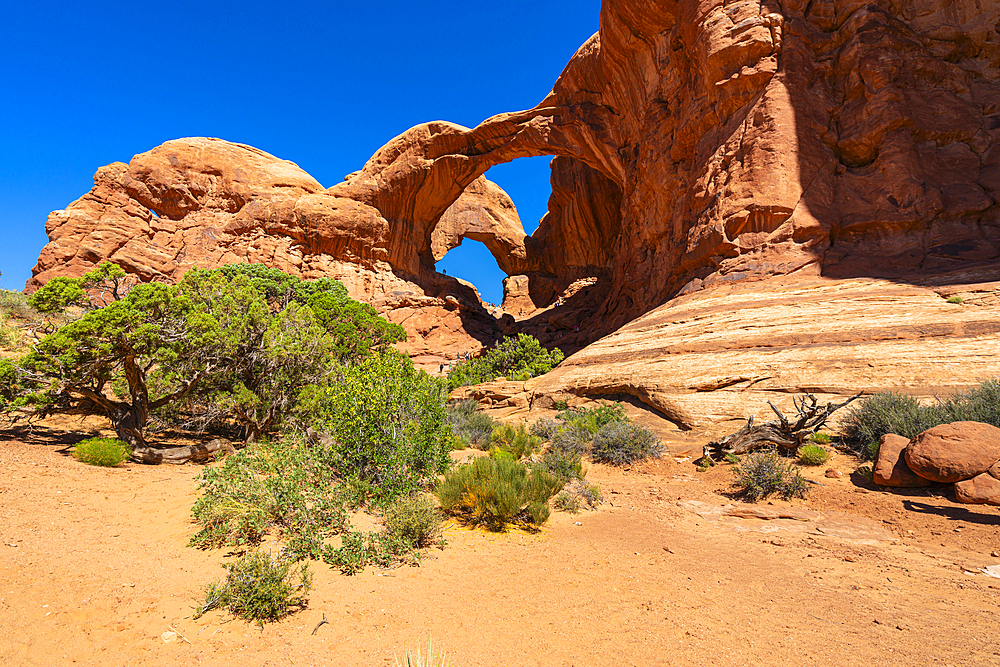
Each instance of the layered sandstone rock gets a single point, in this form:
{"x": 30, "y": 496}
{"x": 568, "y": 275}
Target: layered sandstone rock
{"x": 703, "y": 146}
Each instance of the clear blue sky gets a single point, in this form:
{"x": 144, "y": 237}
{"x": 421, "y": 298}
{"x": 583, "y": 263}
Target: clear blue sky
{"x": 323, "y": 84}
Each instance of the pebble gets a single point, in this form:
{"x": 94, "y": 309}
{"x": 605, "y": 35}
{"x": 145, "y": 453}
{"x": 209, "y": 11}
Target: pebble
{"x": 168, "y": 637}
{"x": 834, "y": 474}
{"x": 577, "y": 524}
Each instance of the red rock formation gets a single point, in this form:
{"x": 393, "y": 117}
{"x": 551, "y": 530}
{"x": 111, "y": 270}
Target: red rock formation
{"x": 702, "y": 143}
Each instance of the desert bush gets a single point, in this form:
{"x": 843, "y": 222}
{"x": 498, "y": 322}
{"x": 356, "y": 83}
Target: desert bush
{"x": 889, "y": 412}
{"x": 561, "y": 464}
{"x": 358, "y": 550}
{"x": 517, "y": 358}
{"x": 622, "y": 443}
{"x": 387, "y": 423}
{"x": 763, "y": 473}
{"x": 258, "y": 588}
{"x": 571, "y": 439}
{"x": 955, "y": 299}
{"x": 518, "y": 442}
{"x": 107, "y": 452}
{"x": 593, "y": 419}
{"x": 567, "y": 502}
{"x": 544, "y": 428}
{"x": 498, "y": 491}
{"x": 415, "y": 520}
{"x": 285, "y": 486}
{"x": 813, "y": 455}
{"x": 821, "y": 438}
{"x": 469, "y": 423}
{"x": 881, "y": 413}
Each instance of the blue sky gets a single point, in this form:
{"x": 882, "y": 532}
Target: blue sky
{"x": 321, "y": 84}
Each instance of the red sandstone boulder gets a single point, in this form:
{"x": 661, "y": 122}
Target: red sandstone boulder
{"x": 980, "y": 490}
{"x": 954, "y": 452}
{"x": 995, "y": 470}
{"x": 890, "y": 466}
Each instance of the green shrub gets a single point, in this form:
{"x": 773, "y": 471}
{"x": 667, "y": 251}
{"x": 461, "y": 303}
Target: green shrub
{"x": 258, "y": 588}
{"x": 469, "y": 423}
{"x": 359, "y": 550}
{"x": 821, "y": 438}
{"x": 561, "y": 405}
{"x": 813, "y": 455}
{"x": 288, "y": 486}
{"x": 622, "y": 443}
{"x": 387, "y": 423}
{"x": 881, "y": 413}
{"x": 517, "y": 358}
{"x": 571, "y": 439}
{"x": 567, "y": 502}
{"x": 889, "y": 412}
{"x": 760, "y": 474}
{"x": 516, "y": 441}
{"x": 107, "y": 452}
{"x": 563, "y": 465}
{"x": 593, "y": 419}
{"x": 498, "y": 491}
{"x": 414, "y": 520}
{"x": 955, "y": 299}
{"x": 544, "y": 428}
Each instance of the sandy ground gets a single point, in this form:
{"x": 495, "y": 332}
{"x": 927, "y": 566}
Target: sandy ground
{"x": 94, "y": 569}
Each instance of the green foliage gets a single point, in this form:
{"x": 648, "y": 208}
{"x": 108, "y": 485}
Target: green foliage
{"x": 866, "y": 472}
{"x": 285, "y": 486}
{"x": 359, "y": 550}
{"x": 763, "y": 473}
{"x": 57, "y": 294}
{"x": 498, "y": 491}
{"x": 518, "y": 442}
{"x": 470, "y": 424}
{"x": 563, "y": 465}
{"x": 544, "y": 428}
{"x": 567, "y": 502}
{"x": 821, "y": 438}
{"x": 427, "y": 660}
{"x": 415, "y": 520}
{"x": 561, "y": 405}
{"x": 955, "y": 299}
{"x": 258, "y": 588}
{"x": 571, "y": 439}
{"x": 387, "y": 422}
{"x": 813, "y": 455}
{"x": 889, "y": 412}
{"x": 623, "y": 443}
{"x": 236, "y": 343}
{"x": 517, "y": 358}
{"x": 593, "y": 419}
{"x": 107, "y": 452}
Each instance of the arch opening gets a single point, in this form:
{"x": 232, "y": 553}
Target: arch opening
{"x": 473, "y": 263}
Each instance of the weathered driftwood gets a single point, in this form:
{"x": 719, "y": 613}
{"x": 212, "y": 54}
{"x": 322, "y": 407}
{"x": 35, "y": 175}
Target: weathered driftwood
{"x": 783, "y": 432}
{"x": 180, "y": 455}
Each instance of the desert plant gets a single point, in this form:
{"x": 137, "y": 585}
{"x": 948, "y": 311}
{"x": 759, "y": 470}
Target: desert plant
{"x": 567, "y": 502}
{"x": 517, "y": 358}
{"x": 955, "y": 299}
{"x": 359, "y": 550}
{"x": 561, "y": 405}
{"x": 881, "y": 413}
{"x": 593, "y": 419}
{"x": 763, "y": 473}
{"x": 414, "y": 520}
{"x": 107, "y": 452}
{"x": 469, "y": 423}
{"x": 571, "y": 439}
{"x": 561, "y": 464}
{"x": 821, "y": 438}
{"x": 427, "y": 660}
{"x": 813, "y": 455}
{"x": 622, "y": 443}
{"x": 979, "y": 404}
{"x": 498, "y": 491}
{"x": 544, "y": 428}
{"x": 516, "y": 441}
{"x": 287, "y": 486}
{"x": 258, "y": 588}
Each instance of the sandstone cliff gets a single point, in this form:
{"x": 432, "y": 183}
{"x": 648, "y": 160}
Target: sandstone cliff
{"x": 700, "y": 143}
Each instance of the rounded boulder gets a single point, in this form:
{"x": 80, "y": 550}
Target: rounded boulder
{"x": 954, "y": 452}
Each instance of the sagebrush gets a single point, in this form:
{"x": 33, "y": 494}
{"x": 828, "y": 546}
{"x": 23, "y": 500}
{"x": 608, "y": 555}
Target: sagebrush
{"x": 623, "y": 443}
{"x": 258, "y": 588}
{"x": 764, "y": 473}
{"x": 107, "y": 452}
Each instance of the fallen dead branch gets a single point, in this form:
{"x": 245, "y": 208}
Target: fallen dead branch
{"x": 783, "y": 432}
